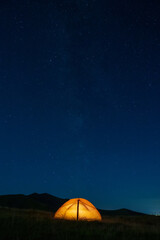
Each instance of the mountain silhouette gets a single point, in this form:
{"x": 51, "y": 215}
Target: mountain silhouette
{"x": 37, "y": 201}
{"x": 120, "y": 212}
{"x": 47, "y": 202}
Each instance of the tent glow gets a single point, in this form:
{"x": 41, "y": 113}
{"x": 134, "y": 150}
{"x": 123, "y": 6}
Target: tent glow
{"x": 78, "y": 209}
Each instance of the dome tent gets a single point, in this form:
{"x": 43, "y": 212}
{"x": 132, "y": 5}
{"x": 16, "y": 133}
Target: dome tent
{"x": 78, "y": 209}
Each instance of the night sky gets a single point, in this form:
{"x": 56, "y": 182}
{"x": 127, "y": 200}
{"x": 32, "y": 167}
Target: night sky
{"x": 80, "y": 100}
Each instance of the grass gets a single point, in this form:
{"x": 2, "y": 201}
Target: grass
{"x": 37, "y": 225}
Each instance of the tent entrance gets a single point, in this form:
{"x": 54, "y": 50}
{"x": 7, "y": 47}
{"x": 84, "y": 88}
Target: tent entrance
{"x": 77, "y": 209}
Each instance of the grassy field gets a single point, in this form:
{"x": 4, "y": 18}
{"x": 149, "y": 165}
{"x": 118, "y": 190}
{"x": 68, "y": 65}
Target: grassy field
{"x": 37, "y": 225}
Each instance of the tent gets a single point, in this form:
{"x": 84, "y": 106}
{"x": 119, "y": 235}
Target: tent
{"x": 78, "y": 209}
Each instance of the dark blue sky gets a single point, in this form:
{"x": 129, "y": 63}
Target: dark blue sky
{"x": 79, "y": 100}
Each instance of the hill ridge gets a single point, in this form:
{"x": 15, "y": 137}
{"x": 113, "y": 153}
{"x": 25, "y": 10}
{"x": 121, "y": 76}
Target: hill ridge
{"x": 48, "y": 202}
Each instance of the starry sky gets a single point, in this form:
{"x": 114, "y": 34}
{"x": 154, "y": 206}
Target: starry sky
{"x": 79, "y": 100}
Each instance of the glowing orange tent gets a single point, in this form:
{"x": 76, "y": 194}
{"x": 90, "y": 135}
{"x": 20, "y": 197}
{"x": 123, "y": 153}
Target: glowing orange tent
{"x": 78, "y": 209}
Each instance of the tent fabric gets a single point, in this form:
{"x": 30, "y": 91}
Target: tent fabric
{"x": 78, "y": 209}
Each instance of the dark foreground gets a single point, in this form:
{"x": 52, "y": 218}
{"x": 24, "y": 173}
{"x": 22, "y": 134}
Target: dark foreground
{"x": 37, "y": 225}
